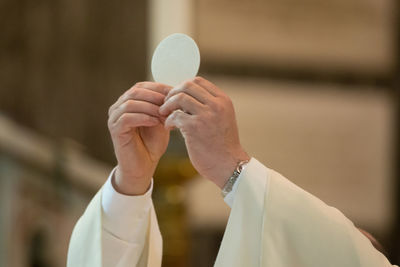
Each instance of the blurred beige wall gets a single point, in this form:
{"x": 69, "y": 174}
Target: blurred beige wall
{"x": 351, "y": 35}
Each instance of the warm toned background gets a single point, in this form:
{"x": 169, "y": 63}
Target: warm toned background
{"x": 316, "y": 90}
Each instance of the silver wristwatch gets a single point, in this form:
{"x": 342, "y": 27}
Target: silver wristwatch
{"x": 232, "y": 180}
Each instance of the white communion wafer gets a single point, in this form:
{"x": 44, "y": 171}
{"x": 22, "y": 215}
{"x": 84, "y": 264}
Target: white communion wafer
{"x": 176, "y": 58}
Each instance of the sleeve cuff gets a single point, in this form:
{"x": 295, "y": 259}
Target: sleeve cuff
{"x": 231, "y": 195}
{"x": 125, "y": 216}
{"x": 250, "y": 168}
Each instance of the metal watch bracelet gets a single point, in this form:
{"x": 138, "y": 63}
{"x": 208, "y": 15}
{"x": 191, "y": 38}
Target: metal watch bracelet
{"x": 232, "y": 180}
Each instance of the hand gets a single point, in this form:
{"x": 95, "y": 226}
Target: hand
{"x": 138, "y": 136}
{"x": 206, "y": 118}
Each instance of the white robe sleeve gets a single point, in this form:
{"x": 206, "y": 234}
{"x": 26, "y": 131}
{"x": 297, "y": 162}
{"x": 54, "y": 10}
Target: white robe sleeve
{"x": 116, "y": 230}
{"x": 274, "y": 223}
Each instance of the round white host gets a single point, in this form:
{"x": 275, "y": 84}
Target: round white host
{"x": 176, "y": 58}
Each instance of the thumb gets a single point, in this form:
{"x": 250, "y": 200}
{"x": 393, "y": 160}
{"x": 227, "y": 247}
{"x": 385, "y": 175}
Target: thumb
{"x": 177, "y": 119}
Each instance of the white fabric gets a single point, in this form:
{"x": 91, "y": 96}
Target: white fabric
{"x": 273, "y": 223}
{"x": 238, "y": 247}
{"x": 125, "y": 222}
{"x": 116, "y": 230}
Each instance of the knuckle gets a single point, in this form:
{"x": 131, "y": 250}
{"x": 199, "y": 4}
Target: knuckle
{"x": 197, "y": 79}
{"x": 187, "y": 84}
{"x": 139, "y": 84}
{"x": 123, "y": 107}
{"x": 133, "y": 93}
{"x": 124, "y": 118}
{"x": 128, "y": 104}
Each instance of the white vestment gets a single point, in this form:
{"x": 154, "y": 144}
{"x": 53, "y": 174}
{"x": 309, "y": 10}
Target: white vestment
{"x": 273, "y": 223}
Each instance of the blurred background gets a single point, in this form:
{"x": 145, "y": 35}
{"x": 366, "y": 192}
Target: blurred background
{"x": 315, "y": 86}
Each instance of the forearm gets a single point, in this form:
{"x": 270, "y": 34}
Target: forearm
{"x": 116, "y": 230}
{"x": 279, "y": 224}
{"x": 126, "y": 222}
{"x": 310, "y": 230}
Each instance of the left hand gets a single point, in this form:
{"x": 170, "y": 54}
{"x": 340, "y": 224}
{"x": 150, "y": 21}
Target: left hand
{"x": 206, "y": 118}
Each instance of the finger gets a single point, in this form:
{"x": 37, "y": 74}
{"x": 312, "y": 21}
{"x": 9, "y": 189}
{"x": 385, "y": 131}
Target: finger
{"x": 207, "y": 85}
{"x": 183, "y": 102}
{"x": 128, "y": 121}
{"x": 145, "y": 95}
{"x": 139, "y": 94}
{"x": 157, "y": 87}
{"x": 134, "y": 106}
{"x": 177, "y": 119}
{"x": 192, "y": 89}
{"x": 156, "y": 93}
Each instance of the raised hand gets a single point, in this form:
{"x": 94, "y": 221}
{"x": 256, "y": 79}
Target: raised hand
{"x": 138, "y": 136}
{"x": 206, "y": 118}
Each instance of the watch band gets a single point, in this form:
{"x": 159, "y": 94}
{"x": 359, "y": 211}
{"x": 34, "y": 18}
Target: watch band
{"x": 232, "y": 180}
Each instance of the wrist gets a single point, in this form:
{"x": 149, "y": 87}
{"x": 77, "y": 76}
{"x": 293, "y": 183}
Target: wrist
{"x": 233, "y": 178}
{"x": 228, "y": 168}
{"x": 128, "y": 184}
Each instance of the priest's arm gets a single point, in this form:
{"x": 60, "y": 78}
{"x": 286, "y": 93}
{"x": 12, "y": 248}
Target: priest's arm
{"x": 119, "y": 227}
{"x": 116, "y": 230}
{"x": 273, "y": 223}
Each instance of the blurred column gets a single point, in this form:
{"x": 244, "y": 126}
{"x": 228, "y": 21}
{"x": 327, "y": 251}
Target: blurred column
{"x": 167, "y": 17}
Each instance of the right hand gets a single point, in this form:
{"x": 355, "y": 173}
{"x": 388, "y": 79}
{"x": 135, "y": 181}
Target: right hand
{"x": 206, "y": 118}
{"x": 138, "y": 136}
